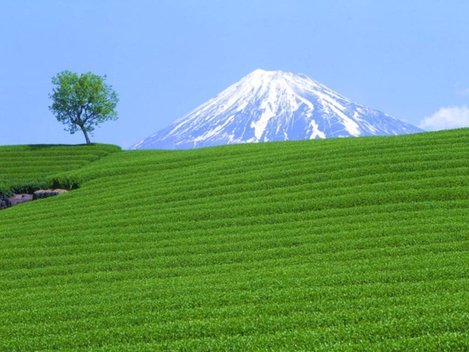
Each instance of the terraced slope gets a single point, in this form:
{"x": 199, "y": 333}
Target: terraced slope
{"x": 331, "y": 245}
{"x": 30, "y": 165}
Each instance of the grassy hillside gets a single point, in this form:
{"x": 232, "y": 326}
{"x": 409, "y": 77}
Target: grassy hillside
{"x": 333, "y": 245}
{"x": 28, "y": 166}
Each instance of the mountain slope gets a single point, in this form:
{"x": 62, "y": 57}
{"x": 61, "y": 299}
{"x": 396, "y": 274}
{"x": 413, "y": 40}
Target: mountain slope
{"x": 274, "y": 106}
{"x": 353, "y": 244}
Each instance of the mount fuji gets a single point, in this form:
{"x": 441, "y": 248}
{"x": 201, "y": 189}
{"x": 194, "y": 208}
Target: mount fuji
{"x": 274, "y": 106}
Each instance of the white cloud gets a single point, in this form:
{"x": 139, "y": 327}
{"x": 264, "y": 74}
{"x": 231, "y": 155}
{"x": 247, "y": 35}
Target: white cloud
{"x": 446, "y": 118}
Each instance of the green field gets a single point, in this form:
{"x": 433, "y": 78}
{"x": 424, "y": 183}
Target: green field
{"x": 357, "y": 244}
{"x": 28, "y": 167}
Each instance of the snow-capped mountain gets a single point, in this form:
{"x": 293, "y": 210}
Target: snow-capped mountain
{"x": 274, "y": 106}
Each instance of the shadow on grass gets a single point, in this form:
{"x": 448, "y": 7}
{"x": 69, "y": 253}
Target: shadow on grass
{"x": 46, "y": 146}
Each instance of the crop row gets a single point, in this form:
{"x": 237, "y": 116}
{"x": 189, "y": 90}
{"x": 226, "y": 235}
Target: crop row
{"x": 349, "y": 244}
{"x": 25, "y": 167}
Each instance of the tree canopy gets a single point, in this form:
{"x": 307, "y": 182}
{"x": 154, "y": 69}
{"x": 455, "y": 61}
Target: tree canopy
{"x": 81, "y": 102}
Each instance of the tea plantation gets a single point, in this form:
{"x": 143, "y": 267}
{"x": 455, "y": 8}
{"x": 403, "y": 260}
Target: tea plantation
{"x": 357, "y": 244}
{"x": 25, "y": 168}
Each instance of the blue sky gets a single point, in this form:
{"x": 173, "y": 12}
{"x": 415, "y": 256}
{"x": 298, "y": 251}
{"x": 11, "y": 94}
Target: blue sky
{"x": 407, "y": 58}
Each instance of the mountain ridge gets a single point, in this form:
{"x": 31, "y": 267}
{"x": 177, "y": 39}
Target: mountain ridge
{"x": 273, "y": 106}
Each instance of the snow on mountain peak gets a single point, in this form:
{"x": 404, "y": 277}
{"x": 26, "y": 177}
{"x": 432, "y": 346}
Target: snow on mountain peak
{"x": 270, "y": 106}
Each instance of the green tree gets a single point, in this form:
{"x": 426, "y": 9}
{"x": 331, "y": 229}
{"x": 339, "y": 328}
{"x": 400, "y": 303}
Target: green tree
{"x": 81, "y": 102}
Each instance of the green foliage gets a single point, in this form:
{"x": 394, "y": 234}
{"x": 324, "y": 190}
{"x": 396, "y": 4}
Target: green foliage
{"x": 356, "y": 244}
{"x": 64, "y": 181}
{"x": 4, "y": 190}
{"x": 28, "y": 187}
{"x": 81, "y": 102}
{"x": 26, "y": 169}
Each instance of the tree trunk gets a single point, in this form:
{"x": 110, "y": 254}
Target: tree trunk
{"x": 86, "y": 135}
